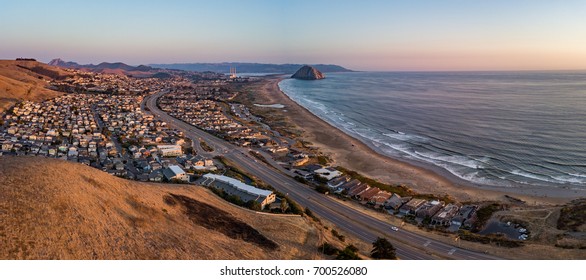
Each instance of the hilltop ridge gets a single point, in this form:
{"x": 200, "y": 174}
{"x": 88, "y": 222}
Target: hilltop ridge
{"x": 54, "y": 209}
{"x": 27, "y": 80}
{"x": 118, "y": 68}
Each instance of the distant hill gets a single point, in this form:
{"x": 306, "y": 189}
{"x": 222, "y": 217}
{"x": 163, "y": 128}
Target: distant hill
{"x": 108, "y": 68}
{"x": 26, "y": 80}
{"x": 54, "y": 209}
{"x": 224, "y": 67}
{"x": 60, "y": 63}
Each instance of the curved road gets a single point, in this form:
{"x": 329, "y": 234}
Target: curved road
{"x": 409, "y": 245}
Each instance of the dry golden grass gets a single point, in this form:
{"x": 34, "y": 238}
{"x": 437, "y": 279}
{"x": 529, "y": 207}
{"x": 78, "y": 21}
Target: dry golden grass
{"x": 53, "y": 209}
{"x": 27, "y": 82}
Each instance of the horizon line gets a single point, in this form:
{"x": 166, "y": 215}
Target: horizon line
{"x": 352, "y": 70}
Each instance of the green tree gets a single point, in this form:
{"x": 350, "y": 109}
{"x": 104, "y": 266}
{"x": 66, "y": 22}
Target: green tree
{"x": 321, "y": 188}
{"x": 349, "y": 253}
{"x": 253, "y": 205}
{"x": 284, "y": 205}
{"x": 383, "y": 249}
{"x": 328, "y": 249}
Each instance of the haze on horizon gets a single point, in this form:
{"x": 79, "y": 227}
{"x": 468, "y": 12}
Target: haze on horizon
{"x": 360, "y": 35}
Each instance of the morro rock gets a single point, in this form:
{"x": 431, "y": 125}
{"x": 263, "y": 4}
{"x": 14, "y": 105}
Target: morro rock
{"x": 308, "y": 73}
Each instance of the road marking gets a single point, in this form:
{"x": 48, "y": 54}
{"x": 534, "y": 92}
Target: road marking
{"x": 451, "y": 252}
{"x": 426, "y": 243}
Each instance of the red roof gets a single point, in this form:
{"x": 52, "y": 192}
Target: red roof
{"x": 368, "y": 193}
{"x": 357, "y": 189}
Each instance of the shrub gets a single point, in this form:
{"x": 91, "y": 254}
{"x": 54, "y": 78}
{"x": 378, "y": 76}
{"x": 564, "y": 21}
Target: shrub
{"x": 349, "y": 253}
{"x": 338, "y": 235}
{"x": 383, "y": 249}
{"x": 328, "y": 249}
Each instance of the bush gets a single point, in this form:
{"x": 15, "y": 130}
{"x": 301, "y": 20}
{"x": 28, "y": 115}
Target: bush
{"x": 400, "y": 190}
{"x": 321, "y": 179}
{"x": 205, "y": 146}
{"x": 338, "y": 235}
{"x": 234, "y": 199}
{"x": 349, "y": 253}
{"x": 253, "y": 205}
{"x": 328, "y": 249}
{"x": 572, "y": 216}
{"x": 321, "y": 188}
{"x": 483, "y": 215}
{"x": 383, "y": 249}
{"x": 322, "y": 160}
{"x": 310, "y": 214}
{"x": 495, "y": 239}
{"x": 294, "y": 208}
{"x": 300, "y": 179}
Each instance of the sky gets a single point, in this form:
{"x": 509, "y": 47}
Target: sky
{"x": 407, "y": 35}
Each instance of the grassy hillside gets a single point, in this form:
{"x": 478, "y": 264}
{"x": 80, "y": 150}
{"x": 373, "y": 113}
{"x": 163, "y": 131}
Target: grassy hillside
{"x": 53, "y": 209}
{"x": 26, "y": 80}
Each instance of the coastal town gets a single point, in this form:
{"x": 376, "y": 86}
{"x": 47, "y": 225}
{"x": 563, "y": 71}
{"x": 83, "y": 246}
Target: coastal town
{"x": 102, "y": 122}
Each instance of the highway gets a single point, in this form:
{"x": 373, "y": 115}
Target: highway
{"x": 409, "y": 245}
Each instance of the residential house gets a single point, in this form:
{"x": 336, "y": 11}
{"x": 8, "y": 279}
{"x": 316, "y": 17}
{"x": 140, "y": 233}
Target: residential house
{"x": 170, "y": 150}
{"x": 240, "y": 189}
{"x": 394, "y": 203}
{"x": 429, "y": 208}
{"x": 357, "y": 189}
{"x": 346, "y": 187}
{"x": 466, "y": 216}
{"x": 410, "y": 207}
{"x": 328, "y": 173}
{"x": 156, "y": 176}
{"x": 364, "y": 196}
{"x": 7, "y": 146}
{"x": 337, "y": 182}
{"x": 302, "y": 173}
{"x": 445, "y": 215}
{"x": 379, "y": 199}
{"x": 301, "y": 161}
{"x": 174, "y": 172}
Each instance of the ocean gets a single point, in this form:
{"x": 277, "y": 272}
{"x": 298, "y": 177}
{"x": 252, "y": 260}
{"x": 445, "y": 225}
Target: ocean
{"x": 505, "y": 129}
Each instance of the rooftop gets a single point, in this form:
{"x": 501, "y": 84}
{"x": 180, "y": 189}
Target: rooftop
{"x": 176, "y": 169}
{"x": 238, "y": 184}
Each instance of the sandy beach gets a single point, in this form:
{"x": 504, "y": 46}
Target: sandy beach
{"x": 353, "y": 154}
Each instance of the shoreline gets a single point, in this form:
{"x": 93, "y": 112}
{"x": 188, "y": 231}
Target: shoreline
{"x": 347, "y": 151}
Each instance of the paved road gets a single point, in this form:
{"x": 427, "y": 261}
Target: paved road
{"x": 409, "y": 244}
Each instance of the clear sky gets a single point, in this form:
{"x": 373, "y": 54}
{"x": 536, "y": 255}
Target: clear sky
{"x": 361, "y": 35}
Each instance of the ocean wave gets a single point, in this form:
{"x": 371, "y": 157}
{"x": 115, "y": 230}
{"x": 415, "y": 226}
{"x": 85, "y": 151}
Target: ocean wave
{"x": 578, "y": 175}
{"x": 558, "y": 179}
{"x": 402, "y": 136}
{"x": 502, "y": 155}
{"x": 455, "y": 159}
{"x": 570, "y": 179}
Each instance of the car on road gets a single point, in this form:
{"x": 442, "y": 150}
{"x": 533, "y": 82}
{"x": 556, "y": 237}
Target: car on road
{"x": 395, "y": 228}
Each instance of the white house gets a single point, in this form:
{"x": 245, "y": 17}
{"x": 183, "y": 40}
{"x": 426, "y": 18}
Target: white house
{"x": 242, "y": 190}
{"x": 170, "y": 150}
{"x": 174, "y": 172}
{"x": 328, "y": 172}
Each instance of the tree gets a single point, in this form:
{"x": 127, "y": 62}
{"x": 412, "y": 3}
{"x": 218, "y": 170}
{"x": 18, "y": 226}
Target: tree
{"x": 328, "y": 249}
{"x": 284, "y": 205}
{"x": 383, "y": 249}
{"x": 253, "y": 205}
{"x": 321, "y": 188}
{"x": 349, "y": 253}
